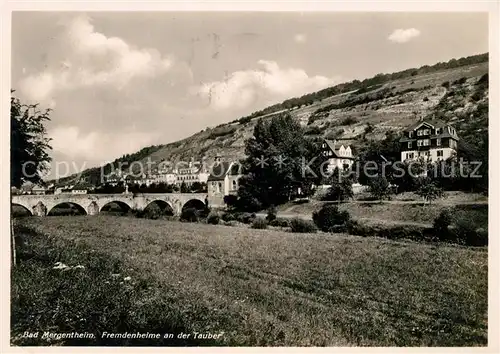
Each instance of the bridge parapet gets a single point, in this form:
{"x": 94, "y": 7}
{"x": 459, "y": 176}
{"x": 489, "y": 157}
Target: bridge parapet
{"x": 93, "y": 203}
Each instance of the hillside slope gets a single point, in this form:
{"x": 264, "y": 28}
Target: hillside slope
{"x": 458, "y": 94}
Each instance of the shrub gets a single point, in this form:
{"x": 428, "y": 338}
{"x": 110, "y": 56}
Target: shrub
{"x": 393, "y": 232}
{"x": 190, "y": 215}
{"x": 329, "y": 217}
{"x": 221, "y": 131}
{"x": 429, "y": 191}
{"x": 245, "y": 218}
{"x": 259, "y": 223}
{"x": 280, "y": 222}
{"x": 379, "y": 187}
{"x": 153, "y": 211}
{"x": 353, "y": 227}
{"x": 271, "y": 213}
{"x": 228, "y": 217}
{"x": 467, "y": 232}
{"x": 441, "y": 225}
{"x": 410, "y": 232}
{"x": 302, "y": 226}
{"x": 213, "y": 218}
{"x": 348, "y": 121}
{"x": 245, "y": 120}
{"x": 313, "y": 131}
{"x": 230, "y": 223}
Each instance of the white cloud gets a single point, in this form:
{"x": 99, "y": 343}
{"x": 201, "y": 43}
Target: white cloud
{"x": 70, "y": 142}
{"x": 300, "y": 38}
{"x": 403, "y": 35}
{"x": 243, "y": 88}
{"x": 90, "y": 58}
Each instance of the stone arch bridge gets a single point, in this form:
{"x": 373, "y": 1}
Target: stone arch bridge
{"x": 41, "y": 205}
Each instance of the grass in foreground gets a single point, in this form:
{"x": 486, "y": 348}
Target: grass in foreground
{"x": 259, "y": 287}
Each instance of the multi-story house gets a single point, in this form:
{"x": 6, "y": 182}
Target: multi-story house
{"x": 223, "y": 180}
{"x": 431, "y": 140}
{"x": 337, "y": 155}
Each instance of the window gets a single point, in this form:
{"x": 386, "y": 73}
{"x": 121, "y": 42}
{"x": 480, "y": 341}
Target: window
{"x": 219, "y": 187}
{"x": 409, "y": 144}
{"x": 438, "y": 130}
{"x": 424, "y": 142}
{"x": 410, "y": 134}
{"x": 234, "y": 185}
{"x": 440, "y": 153}
{"x": 438, "y": 142}
{"x": 423, "y": 132}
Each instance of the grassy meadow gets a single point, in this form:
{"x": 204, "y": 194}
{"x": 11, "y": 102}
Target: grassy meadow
{"x": 257, "y": 287}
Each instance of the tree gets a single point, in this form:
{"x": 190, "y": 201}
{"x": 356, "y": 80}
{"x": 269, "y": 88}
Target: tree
{"x": 340, "y": 187}
{"x": 377, "y": 157}
{"x": 277, "y": 154}
{"x": 379, "y": 188}
{"x": 329, "y": 217}
{"x": 29, "y": 145}
{"x": 231, "y": 201}
{"x": 184, "y": 187}
{"x": 428, "y": 190}
{"x": 405, "y": 175}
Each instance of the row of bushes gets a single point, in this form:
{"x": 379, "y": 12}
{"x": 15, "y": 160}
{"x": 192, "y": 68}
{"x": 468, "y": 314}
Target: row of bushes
{"x": 447, "y": 227}
{"x": 232, "y": 218}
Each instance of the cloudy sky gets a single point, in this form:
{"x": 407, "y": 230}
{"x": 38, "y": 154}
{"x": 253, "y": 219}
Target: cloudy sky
{"x": 120, "y": 81}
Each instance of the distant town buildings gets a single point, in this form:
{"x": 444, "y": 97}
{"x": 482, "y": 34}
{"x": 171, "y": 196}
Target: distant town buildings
{"x": 192, "y": 174}
{"x": 431, "y": 140}
{"x": 168, "y": 178}
{"x": 82, "y": 188}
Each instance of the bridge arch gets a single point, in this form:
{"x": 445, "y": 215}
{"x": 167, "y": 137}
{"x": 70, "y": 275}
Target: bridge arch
{"x": 193, "y": 203}
{"x": 111, "y": 206}
{"x": 165, "y": 207}
{"x": 66, "y": 208}
{"x": 19, "y": 210}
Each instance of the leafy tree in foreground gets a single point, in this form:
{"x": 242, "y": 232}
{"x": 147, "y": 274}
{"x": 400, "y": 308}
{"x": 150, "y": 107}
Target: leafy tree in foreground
{"x": 275, "y": 163}
{"x": 29, "y": 144}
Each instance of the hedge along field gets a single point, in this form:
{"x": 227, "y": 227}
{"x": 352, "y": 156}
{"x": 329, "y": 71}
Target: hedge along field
{"x": 259, "y": 287}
